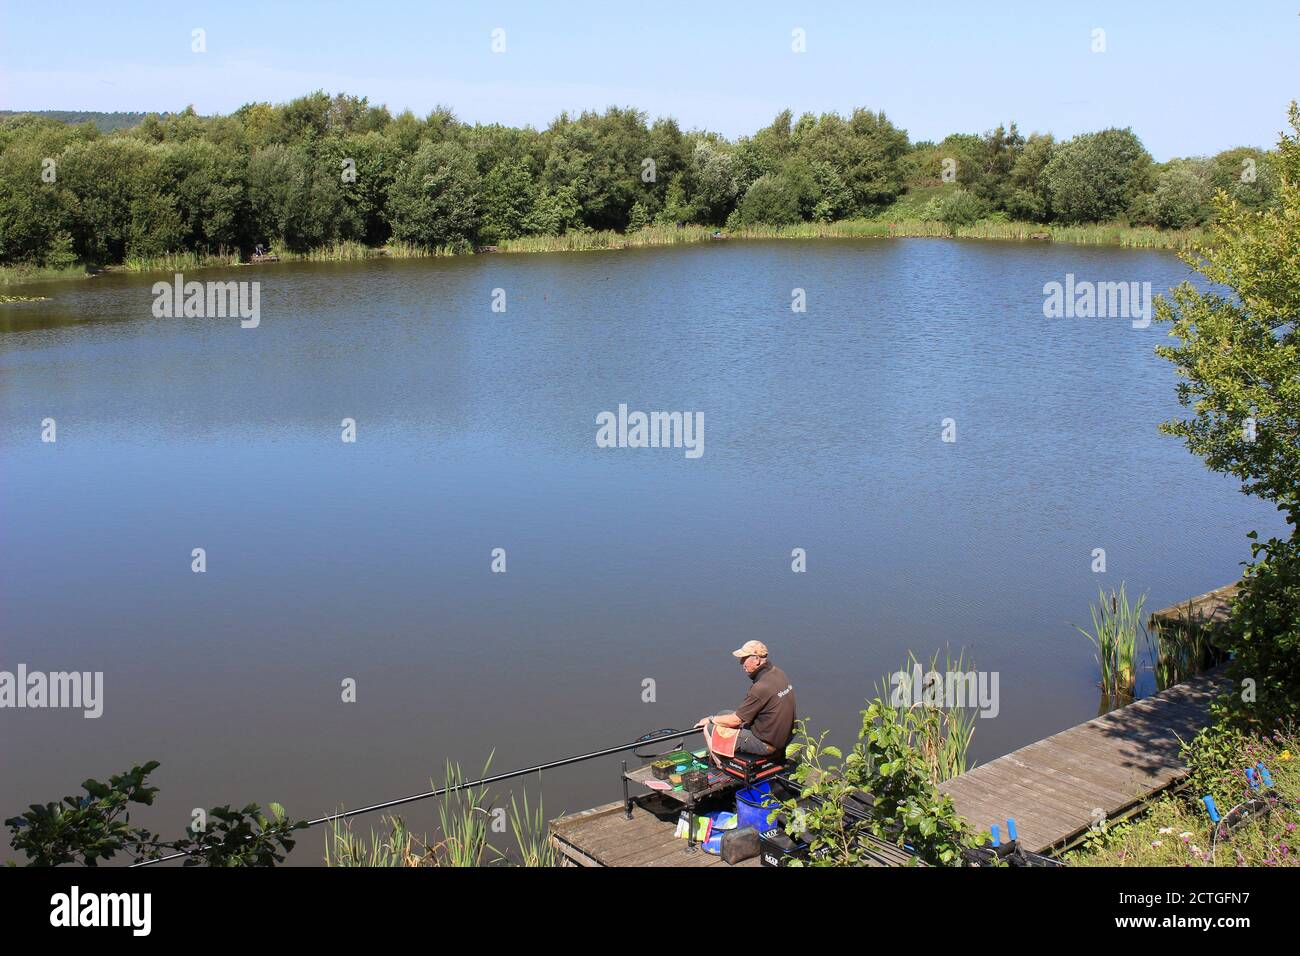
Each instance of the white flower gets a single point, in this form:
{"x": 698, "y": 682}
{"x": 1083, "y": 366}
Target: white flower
{"x": 1185, "y": 834}
{"x": 1155, "y": 843}
{"x": 1166, "y": 829}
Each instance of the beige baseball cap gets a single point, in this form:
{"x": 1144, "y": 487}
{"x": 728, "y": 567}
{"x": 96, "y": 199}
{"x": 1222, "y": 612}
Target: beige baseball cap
{"x": 751, "y": 648}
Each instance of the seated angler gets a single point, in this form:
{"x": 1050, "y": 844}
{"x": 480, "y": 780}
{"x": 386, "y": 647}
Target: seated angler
{"x": 763, "y": 723}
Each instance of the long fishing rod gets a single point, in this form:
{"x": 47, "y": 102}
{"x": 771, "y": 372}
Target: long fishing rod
{"x": 654, "y": 737}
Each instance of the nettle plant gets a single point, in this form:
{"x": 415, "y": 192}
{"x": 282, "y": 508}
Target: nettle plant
{"x": 96, "y": 826}
{"x": 887, "y": 775}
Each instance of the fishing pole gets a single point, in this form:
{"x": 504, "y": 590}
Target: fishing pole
{"x": 653, "y": 737}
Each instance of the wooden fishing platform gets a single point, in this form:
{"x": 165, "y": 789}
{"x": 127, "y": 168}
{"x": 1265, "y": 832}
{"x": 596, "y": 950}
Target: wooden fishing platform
{"x": 1209, "y": 608}
{"x": 1057, "y": 787}
{"x": 604, "y": 836}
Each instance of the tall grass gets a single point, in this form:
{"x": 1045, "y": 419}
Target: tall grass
{"x": 178, "y": 261}
{"x": 464, "y": 838}
{"x": 587, "y": 241}
{"x": 908, "y": 225}
{"x": 464, "y": 818}
{"x": 1115, "y": 627}
{"x": 531, "y": 833}
{"x": 24, "y": 272}
{"x": 396, "y": 848}
{"x": 1181, "y": 649}
{"x": 940, "y": 734}
{"x": 347, "y": 250}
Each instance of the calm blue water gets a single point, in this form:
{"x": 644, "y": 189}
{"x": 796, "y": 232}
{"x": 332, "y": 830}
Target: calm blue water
{"x": 476, "y": 431}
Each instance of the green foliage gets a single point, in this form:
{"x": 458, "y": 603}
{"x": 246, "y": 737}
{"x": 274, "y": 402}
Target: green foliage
{"x": 1263, "y": 636}
{"x": 183, "y": 185}
{"x": 890, "y": 774}
{"x": 1026, "y": 196}
{"x": 939, "y": 733}
{"x": 1175, "y": 830}
{"x": 1239, "y": 358}
{"x": 432, "y": 202}
{"x": 1181, "y": 196}
{"x": 1115, "y": 627}
{"x": 90, "y": 828}
{"x": 97, "y": 826}
{"x": 246, "y": 837}
{"x": 1096, "y": 176}
{"x": 957, "y": 208}
{"x": 1239, "y": 355}
{"x": 638, "y": 218}
{"x": 772, "y": 199}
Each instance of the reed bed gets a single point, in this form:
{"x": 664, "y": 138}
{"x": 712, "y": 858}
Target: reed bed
{"x": 1116, "y": 624}
{"x": 464, "y": 838}
{"x": 1182, "y": 650}
{"x": 178, "y": 262}
{"x": 583, "y": 241}
{"x": 21, "y": 273}
{"x": 350, "y": 251}
{"x": 1096, "y": 234}
{"x": 940, "y": 734}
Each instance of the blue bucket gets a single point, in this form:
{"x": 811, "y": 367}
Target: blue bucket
{"x": 755, "y": 807}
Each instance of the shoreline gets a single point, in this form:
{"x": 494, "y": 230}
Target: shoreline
{"x": 1096, "y": 234}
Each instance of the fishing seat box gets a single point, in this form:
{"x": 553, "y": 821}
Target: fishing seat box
{"x": 752, "y": 768}
{"x": 778, "y": 848}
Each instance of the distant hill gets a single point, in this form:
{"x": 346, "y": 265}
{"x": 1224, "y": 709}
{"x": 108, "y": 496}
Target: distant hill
{"x": 105, "y": 122}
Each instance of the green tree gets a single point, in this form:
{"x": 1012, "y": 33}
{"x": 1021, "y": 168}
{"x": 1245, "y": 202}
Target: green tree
{"x": 776, "y": 199}
{"x": 505, "y": 200}
{"x": 1247, "y": 175}
{"x": 1096, "y": 176}
{"x": 1238, "y": 356}
{"x": 1181, "y": 195}
{"x": 432, "y": 202}
{"x": 639, "y": 218}
{"x": 1027, "y": 196}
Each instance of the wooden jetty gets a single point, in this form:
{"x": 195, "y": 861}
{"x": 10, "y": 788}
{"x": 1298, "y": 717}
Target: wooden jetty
{"x": 1056, "y": 788}
{"x": 1209, "y": 608}
{"x": 604, "y": 836}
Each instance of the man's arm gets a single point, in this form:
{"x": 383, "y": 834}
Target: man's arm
{"x": 722, "y": 720}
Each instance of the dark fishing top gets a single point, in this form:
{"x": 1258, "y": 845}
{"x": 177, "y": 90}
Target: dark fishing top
{"x": 768, "y": 708}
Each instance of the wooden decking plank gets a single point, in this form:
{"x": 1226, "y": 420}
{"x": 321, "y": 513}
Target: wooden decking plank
{"x": 1053, "y": 786}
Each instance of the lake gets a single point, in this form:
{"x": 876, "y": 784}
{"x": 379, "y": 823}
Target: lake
{"x": 371, "y": 561}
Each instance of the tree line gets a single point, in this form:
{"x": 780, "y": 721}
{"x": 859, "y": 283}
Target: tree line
{"x": 322, "y": 169}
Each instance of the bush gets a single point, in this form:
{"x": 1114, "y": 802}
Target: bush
{"x": 1097, "y": 176}
{"x": 97, "y": 826}
{"x": 906, "y": 807}
{"x": 958, "y": 208}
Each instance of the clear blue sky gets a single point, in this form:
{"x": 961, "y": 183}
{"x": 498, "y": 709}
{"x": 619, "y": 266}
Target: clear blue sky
{"x": 1190, "y": 78}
